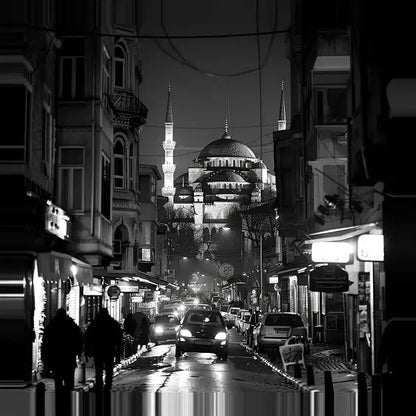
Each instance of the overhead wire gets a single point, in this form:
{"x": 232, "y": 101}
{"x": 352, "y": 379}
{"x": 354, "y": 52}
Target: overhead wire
{"x": 180, "y": 58}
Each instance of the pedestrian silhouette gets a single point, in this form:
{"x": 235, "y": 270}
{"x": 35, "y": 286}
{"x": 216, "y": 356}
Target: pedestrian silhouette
{"x": 144, "y": 333}
{"x": 62, "y": 342}
{"x": 104, "y": 342}
{"x": 130, "y": 328}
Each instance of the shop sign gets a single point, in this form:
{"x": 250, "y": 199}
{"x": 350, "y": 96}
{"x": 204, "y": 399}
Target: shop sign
{"x": 370, "y": 247}
{"x": 274, "y": 279}
{"x": 331, "y": 252}
{"x": 329, "y": 279}
{"x": 136, "y": 299}
{"x": 113, "y": 292}
{"x": 129, "y": 288}
{"x": 56, "y": 221}
{"x": 92, "y": 290}
{"x": 226, "y": 270}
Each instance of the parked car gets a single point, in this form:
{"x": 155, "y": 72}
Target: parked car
{"x": 241, "y": 320}
{"x": 230, "y": 316}
{"x": 224, "y": 309}
{"x": 202, "y": 331}
{"x": 275, "y": 328}
{"x": 164, "y": 327}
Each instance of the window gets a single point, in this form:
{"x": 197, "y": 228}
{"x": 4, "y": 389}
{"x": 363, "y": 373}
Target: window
{"x": 72, "y": 69}
{"x": 71, "y": 178}
{"x": 119, "y": 165}
{"x": 334, "y": 179}
{"x": 330, "y": 105}
{"x": 106, "y": 187}
{"x": 15, "y": 116}
{"x": 106, "y": 85}
{"x": 119, "y": 67}
{"x": 131, "y": 181}
{"x": 47, "y": 136}
{"x": 145, "y": 188}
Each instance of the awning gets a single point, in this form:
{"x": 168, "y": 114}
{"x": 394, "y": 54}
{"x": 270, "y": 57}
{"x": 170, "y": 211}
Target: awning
{"x": 57, "y": 266}
{"x": 83, "y": 272}
{"x": 54, "y": 266}
{"x": 341, "y": 234}
{"x": 292, "y": 270}
{"x": 126, "y": 276}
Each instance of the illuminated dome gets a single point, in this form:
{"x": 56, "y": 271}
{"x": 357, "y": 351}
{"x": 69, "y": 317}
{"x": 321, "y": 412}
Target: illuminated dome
{"x": 226, "y": 147}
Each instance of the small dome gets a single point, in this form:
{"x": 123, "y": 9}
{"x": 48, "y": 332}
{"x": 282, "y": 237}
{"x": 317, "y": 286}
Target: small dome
{"x": 184, "y": 190}
{"x": 226, "y": 176}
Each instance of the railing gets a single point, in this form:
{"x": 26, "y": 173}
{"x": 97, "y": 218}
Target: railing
{"x": 128, "y": 109}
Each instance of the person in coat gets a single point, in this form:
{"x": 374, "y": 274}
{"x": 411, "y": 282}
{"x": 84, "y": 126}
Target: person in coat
{"x": 62, "y": 342}
{"x": 104, "y": 342}
{"x": 144, "y": 333}
{"x": 130, "y": 328}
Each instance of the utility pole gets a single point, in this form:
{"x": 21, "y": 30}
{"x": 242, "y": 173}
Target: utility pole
{"x": 261, "y": 270}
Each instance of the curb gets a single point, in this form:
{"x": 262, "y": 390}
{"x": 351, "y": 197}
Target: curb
{"x": 299, "y": 385}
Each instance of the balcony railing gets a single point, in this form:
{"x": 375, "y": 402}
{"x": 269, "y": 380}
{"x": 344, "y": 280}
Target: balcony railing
{"x": 128, "y": 110}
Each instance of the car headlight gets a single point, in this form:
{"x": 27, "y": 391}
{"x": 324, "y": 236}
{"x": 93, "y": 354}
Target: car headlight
{"x": 221, "y": 335}
{"x": 158, "y": 329}
{"x": 185, "y": 333}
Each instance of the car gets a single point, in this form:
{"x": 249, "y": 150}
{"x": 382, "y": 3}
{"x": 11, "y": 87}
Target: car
{"x": 202, "y": 331}
{"x": 164, "y": 327}
{"x": 203, "y": 306}
{"x": 275, "y": 328}
{"x": 241, "y": 320}
{"x": 230, "y": 316}
{"x": 173, "y": 308}
{"x": 223, "y": 309}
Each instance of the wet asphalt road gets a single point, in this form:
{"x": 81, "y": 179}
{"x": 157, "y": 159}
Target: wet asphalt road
{"x": 160, "y": 372}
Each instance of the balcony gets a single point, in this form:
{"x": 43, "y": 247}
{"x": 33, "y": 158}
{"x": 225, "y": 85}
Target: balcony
{"x": 128, "y": 110}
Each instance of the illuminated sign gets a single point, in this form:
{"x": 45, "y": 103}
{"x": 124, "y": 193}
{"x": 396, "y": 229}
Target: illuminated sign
{"x": 331, "y": 252}
{"x": 274, "y": 279}
{"x": 92, "y": 290}
{"x": 113, "y": 292}
{"x": 56, "y": 221}
{"x": 136, "y": 299}
{"x": 370, "y": 247}
{"x": 226, "y": 270}
{"x": 145, "y": 254}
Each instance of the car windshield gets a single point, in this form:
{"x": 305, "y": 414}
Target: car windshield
{"x": 166, "y": 319}
{"x": 224, "y": 308}
{"x": 246, "y": 318}
{"x": 283, "y": 320}
{"x": 202, "y": 317}
{"x": 233, "y": 311}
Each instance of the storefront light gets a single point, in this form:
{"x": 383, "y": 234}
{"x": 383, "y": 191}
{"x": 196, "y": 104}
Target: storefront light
{"x": 331, "y": 252}
{"x": 370, "y": 247}
{"x": 74, "y": 270}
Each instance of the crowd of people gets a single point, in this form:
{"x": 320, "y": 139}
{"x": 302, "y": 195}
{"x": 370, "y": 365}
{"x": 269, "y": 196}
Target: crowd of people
{"x": 104, "y": 342}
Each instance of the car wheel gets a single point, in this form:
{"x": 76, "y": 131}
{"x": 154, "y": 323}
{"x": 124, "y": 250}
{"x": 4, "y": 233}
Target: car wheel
{"x": 178, "y": 352}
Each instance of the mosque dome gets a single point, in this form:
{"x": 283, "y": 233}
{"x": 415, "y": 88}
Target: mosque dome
{"x": 226, "y": 147}
{"x": 226, "y": 176}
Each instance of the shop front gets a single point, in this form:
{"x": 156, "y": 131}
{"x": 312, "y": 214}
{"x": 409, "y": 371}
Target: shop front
{"x": 348, "y": 291}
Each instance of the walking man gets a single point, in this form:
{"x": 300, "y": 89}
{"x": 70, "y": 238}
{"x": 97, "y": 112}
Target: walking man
{"x": 104, "y": 342}
{"x": 62, "y": 342}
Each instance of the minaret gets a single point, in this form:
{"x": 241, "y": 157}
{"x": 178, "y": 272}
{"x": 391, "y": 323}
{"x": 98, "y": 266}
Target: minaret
{"x": 281, "y": 123}
{"x": 169, "y": 167}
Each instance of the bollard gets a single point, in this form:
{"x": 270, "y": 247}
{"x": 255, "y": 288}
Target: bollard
{"x": 329, "y": 394}
{"x": 83, "y": 374}
{"x": 40, "y": 399}
{"x": 362, "y": 394}
{"x": 376, "y": 395}
{"x": 310, "y": 376}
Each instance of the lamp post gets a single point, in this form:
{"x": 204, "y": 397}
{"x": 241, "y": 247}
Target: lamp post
{"x": 261, "y": 270}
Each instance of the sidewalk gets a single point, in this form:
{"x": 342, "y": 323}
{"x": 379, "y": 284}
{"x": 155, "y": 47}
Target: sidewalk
{"x": 89, "y": 381}
{"x": 322, "y": 357}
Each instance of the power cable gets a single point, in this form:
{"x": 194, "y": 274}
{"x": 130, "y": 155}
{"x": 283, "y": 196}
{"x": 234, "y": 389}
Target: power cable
{"x": 180, "y": 58}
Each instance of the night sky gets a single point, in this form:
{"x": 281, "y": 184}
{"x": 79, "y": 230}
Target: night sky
{"x": 202, "y": 99}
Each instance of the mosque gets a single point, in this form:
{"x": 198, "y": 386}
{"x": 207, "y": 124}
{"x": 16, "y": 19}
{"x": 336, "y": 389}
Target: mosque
{"x": 225, "y": 177}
